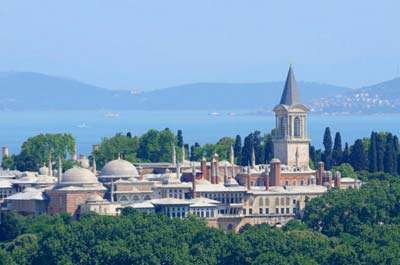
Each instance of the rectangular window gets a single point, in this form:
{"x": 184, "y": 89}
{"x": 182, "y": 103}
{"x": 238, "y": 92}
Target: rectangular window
{"x": 261, "y": 210}
{"x": 287, "y": 210}
{"x": 266, "y": 210}
{"x": 250, "y": 211}
{"x": 276, "y": 210}
{"x": 244, "y": 211}
{"x": 282, "y": 210}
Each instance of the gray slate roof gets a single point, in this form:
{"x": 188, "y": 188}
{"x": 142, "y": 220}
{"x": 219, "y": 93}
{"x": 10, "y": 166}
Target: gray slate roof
{"x": 290, "y": 95}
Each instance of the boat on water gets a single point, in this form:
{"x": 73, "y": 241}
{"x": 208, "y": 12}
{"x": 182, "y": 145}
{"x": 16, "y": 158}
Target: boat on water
{"x": 111, "y": 115}
{"x": 82, "y": 126}
{"x": 215, "y": 113}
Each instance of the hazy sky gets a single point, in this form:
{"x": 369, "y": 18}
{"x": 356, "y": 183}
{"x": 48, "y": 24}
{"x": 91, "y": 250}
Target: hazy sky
{"x": 152, "y": 44}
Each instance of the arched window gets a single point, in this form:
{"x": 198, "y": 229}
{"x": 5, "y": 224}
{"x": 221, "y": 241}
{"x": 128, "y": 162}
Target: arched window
{"x": 297, "y": 127}
{"x": 281, "y": 127}
{"x": 260, "y": 202}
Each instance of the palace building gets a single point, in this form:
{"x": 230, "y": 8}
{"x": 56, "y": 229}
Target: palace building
{"x": 228, "y": 196}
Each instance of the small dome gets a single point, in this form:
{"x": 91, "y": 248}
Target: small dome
{"x": 78, "y": 175}
{"x": 119, "y": 167}
{"x": 275, "y": 160}
{"x": 44, "y": 170}
{"x": 95, "y": 198}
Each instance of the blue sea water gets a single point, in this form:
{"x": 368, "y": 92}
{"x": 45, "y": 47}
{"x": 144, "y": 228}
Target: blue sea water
{"x": 89, "y": 127}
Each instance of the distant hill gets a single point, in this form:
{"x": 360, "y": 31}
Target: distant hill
{"x": 379, "y": 98}
{"x": 34, "y": 91}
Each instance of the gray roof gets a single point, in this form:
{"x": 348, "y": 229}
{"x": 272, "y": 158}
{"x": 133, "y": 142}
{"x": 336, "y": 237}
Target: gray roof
{"x": 290, "y": 95}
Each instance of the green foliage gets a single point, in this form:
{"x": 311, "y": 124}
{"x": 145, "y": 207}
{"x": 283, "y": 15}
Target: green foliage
{"x": 346, "y": 170}
{"x": 37, "y": 150}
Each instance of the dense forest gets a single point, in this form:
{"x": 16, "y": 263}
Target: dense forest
{"x": 341, "y": 227}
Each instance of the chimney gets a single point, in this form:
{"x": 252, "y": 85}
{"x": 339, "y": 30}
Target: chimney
{"x": 194, "y": 195}
{"x": 50, "y": 166}
{"x": 338, "y": 179}
{"x": 216, "y": 168}
{"x": 253, "y": 158}
{"x": 173, "y": 159}
{"x": 266, "y": 178}
{"x": 225, "y": 173}
{"x": 248, "y": 183}
{"x": 232, "y": 156}
{"x": 204, "y": 170}
{"x": 5, "y": 152}
{"x": 75, "y": 153}
{"x": 275, "y": 172}
{"x": 94, "y": 168}
{"x": 320, "y": 173}
{"x": 59, "y": 170}
{"x": 183, "y": 153}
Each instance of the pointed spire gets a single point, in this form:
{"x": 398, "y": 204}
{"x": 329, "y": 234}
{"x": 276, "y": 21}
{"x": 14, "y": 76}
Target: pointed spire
{"x": 183, "y": 153}
{"x": 50, "y": 166}
{"x": 173, "y": 155}
{"x": 59, "y": 170}
{"x": 94, "y": 169}
{"x": 193, "y": 181}
{"x": 253, "y": 158}
{"x": 232, "y": 155}
{"x": 290, "y": 93}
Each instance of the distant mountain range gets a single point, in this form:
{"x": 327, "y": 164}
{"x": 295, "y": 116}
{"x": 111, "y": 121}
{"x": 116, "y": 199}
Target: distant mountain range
{"x": 34, "y": 91}
{"x": 380, "y": 98}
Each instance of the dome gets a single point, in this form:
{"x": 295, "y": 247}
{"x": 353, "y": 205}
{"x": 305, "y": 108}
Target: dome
{"x": 78, "y": 175}
{"x": 94, "y": 198}
{"x": 120, "y": 168}
{"x": 44, "y": 170}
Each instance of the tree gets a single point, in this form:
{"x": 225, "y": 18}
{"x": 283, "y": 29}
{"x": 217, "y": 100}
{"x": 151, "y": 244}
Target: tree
{"x": 247, "y": 150}
{"x": 268, "y": 148}
{"x": 358, "y": 158}
{"x": 37, "y": 150}
{"x": 337, "y": 151}
{"x": 179, "y": 138}
{"x": 258, "y": 147}
{"x": 346, "y": 154}
{"x": 327, "y": 156}
{"x": 390, "y": 156}
{"x": 373, "y": 153}
{"x": 119, "y": 144}
{"x": 237, "y": 148}
{"x": 346, "y": 170}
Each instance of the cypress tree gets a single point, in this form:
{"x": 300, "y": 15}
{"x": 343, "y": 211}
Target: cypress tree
{"x": 346, "y": 154}
{"x": 358, "y": 158}
{"x": 258, "y": 148}
{"x": 380, "y": 148}
{"x": 179, "y": 138}
{"x": 237, "y": 148}
{"x": 373, "y": 153}
{"x": 337, "y": 151}
{"x": 247, "y": 150}
{"x": 328, "y": 148}
{"x": 268, "y": 148}
{"x": 390, "y": 158}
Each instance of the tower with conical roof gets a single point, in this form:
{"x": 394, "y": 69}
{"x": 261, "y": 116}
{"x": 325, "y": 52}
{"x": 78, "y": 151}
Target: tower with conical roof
{"x": 290, "y": 139}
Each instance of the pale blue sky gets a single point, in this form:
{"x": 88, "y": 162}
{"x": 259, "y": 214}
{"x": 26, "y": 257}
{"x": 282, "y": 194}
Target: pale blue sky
{"x": 152, "y": 44}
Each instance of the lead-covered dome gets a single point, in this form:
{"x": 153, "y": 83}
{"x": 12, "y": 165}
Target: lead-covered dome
{"x": 119, "y": 168}
{"x": 78, "y": 176}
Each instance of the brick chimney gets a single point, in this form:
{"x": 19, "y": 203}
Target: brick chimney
{"x": 248, "y": 183}
{"x": 320, "y": 173}
{"x": 275, "y": 172}
{"x": 338, "y": 179}
{"x": 266, "y": 179}
{"x": 204, "y": 171}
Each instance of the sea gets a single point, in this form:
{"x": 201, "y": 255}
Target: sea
{"x": 89, "y": 127}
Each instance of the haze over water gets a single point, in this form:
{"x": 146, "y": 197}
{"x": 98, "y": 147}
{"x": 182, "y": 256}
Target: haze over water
{"x": 89, "y": 127}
